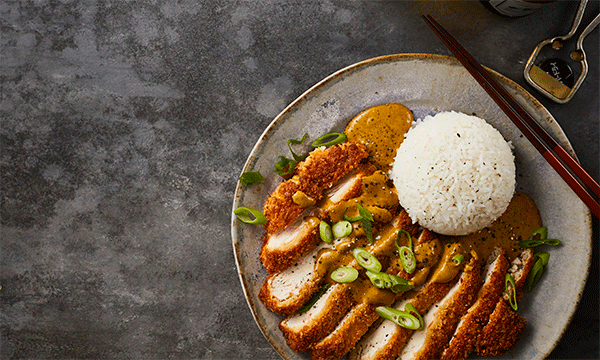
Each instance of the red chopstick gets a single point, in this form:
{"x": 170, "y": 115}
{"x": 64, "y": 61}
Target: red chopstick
{"x": 569, "y": 169}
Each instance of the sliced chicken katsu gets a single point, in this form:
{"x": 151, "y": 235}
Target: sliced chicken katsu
{"x": 505, "y": 325}
{"x": 344, "y": 337}
{"x": 346, "y": 334}
{"x": 319, "y": 171}
{"x": 305, "y": 329}
{"x": 520, "y": 268}
{"x": 282, "y": 249}
{"x": 385, "y": 339}
{"x": 471, "y": 324}
{"x": 502, "y": 332}
{"x": 286, "y": 292}
{"x": 441, "y": 319}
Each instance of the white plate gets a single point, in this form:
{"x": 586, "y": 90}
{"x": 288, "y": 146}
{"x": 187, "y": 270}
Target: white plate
{"x": 428, "y": 84}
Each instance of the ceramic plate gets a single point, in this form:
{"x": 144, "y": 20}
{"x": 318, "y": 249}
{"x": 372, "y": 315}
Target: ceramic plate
{"x": 427, "y": 84}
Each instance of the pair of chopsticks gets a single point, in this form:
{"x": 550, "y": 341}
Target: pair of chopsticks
{"x": 564, "y": 164}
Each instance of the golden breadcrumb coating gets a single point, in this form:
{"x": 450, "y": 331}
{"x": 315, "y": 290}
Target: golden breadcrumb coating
{"x": 319, "y": 171}
{"x": 320, "y": 321}
{"x": 502, "y": 332}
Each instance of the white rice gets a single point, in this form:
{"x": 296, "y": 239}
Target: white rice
{"x": 454, "y": 173}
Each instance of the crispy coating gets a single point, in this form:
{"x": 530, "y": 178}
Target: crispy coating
{"x": 502, "y": 332}
{"x": 422, "y": 300}
{"x": 520, "y": 269}
{"x": 318, "y": 322}
{"x": 465, "y": 338}
{"x": 319, "y": 171}
{"x": 347, "y": 333}
{"x": 282, "y": 249}
{"x": 441, "y": 329}
{"x": 286, "y": 292}
{"x": 291, "y": 304}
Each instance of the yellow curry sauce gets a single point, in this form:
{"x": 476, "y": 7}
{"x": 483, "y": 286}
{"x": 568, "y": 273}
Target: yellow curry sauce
{"x": 381, "y": 129}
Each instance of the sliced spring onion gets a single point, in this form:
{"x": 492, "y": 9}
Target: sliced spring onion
{"x": 413, "y": 311}
{"x": 544, "y": 256}
{"x": 251, "y": 177}
{"x": 353, "y": 218}
{"x": 531, "y": 243}
{"x": 511, "y": 289}
{"x": 553, "y": 242}
{"x": 541, "y": 231}
{"x": 458, "y": 259}
{"x": 399, "y": 284}
{"x": 539, "y": 237}
{"x": 405, "y": 233}
{"x": 314, "y": 299}
{"x": 366, "y": 260}
{"x": 408, "y": 260}
{"x": 399, "y": 317}
{"x": 339, "y": 138}
{"x": 299, "y": 142}
{"x": 325, "y": 232}
{"x": 536, "y": 274}
{"x": 379, "y": 279}
{"x": 341, "y": 229}
{"x": 250, "y": 216}
{"x": 407, "y": 256}
{"x": 285, "y": 166}
{"x": 534, "y": 242}
{"x": 344, "y": 274}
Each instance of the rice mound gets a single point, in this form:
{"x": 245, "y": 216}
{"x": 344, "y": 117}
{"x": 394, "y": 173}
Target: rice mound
{"x": 454, "y": 173}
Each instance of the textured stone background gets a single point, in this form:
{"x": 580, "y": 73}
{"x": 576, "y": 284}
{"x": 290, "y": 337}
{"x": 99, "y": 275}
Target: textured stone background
{"x": 124, "y": 127}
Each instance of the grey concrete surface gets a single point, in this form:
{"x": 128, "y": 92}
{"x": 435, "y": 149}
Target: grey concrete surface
{"x": 125, "y": 124}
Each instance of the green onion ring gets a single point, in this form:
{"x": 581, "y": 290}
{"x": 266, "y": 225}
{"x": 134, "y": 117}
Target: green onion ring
{"x": 413, "y": 311}
{"x": 341, "y": 229}
{"x": 399, "y": 284}
{"x": 407, "y": 258}
{"x": 536, "y": 274}
{"x": 299, "y": 142}
{"x": 325, "y": 232}
{"x": 399, "y": 317}
{"x": 344, "y": 274}
{"x": 366, "y": 260}
{"x": 541, "y": 231}
{"x": 339, "y": 138}
{"x": 511, "y": 289}
{"x": 407, "y": 234}
{"x": 458, "y": 259}
{"x": 351, "y": 219}
{"x": 531, "y": 243}
{"x": 250, "y": 216}
{"x": 553, "y": 242}
{"x": 379, "y": 280}
{"x": 543, "y": 256}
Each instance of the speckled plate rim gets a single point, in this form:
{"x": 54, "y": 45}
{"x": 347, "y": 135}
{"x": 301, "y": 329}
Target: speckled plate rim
{"x": 257, "y": 308}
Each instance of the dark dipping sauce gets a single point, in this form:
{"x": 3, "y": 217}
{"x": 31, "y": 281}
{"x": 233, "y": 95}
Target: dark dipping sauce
{"x": 382, "y": 129}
